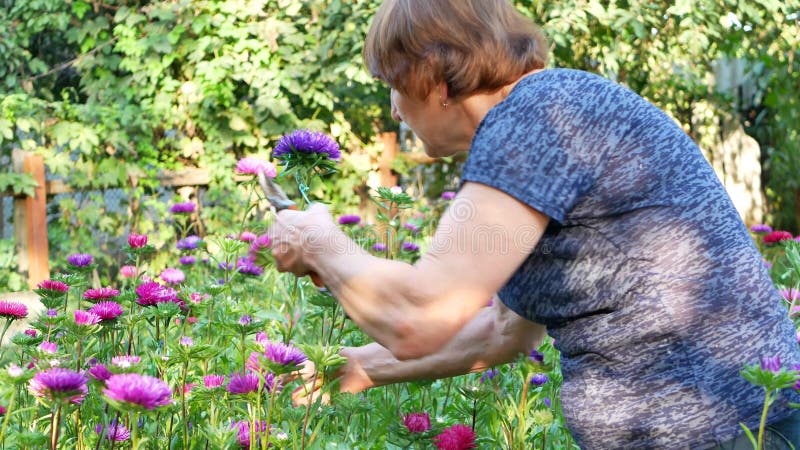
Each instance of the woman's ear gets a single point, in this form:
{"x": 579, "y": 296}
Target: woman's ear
{"x": 444, "y": 100}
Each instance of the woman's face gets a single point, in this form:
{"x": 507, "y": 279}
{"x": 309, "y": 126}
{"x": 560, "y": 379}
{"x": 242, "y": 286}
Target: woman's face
{"x": 441, "y": 129}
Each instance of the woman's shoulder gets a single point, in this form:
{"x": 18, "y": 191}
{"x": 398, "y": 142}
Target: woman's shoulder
{"x": 566, "y": 81}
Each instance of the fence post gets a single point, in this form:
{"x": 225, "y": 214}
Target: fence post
{"x": 30, "y": 221}
{"x": 389, "y": 153}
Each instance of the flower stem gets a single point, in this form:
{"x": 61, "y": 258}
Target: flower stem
{"x": 183, "y": 406}
{"x": 308, "y": 409}
{"x": 763, "y": 423}
{"x": 7, "y": 416}
{"x": 5, "y": 328}
{"x": 134, "y": 432}
{"x": 55, "y": 426}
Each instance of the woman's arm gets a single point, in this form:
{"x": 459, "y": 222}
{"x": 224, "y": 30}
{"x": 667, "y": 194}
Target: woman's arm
{"x": 495, "y": 336}
{"x": 414, "y": 310}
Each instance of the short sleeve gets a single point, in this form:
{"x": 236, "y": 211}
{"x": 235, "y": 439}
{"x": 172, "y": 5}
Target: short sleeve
{"x": 542, "y": 145}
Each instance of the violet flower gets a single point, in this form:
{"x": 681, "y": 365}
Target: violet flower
{"x": 79, "y": 260}
{"x": 306, "y": 141}
{"x": 59, "y": 384}
{"x": 182, "y": 208}
{"x": 137, "y": 391}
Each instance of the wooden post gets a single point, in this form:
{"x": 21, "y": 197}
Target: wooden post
{"x": 30, "y": 221}
{"x": 389, "y": 153}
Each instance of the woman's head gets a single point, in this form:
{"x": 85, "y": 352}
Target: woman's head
{"x": 472, "y": 46}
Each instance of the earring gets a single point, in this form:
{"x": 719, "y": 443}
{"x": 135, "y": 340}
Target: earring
{"x": 443, "y": 103}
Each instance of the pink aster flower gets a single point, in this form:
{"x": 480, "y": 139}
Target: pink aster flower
{"x": 31, "y": 332}
{"x": 186, "y": 341}
{"x": 448, "y": 195}
{"x": 138, "y": 391}
{"x": 85, "y": 318}
{"x": 213, "y": 381}
{"x": 100, "y": 294}
{"x": 350, "y": 219}
{"x": 13, "y": 310}
{"x": 253, "y": 166}
{"x": 247, "y": 236}
{"x": 51, "y": 285}
{"x": 59, "y": 384}
{"x": 789, "y": 295}
{"x": 777, "y": 236}
{"x": 417, "y": 422}
{"x": 457, "y": 437}
{"x": 48, "y": 347}
{"x": 261, "y": 242}
{"x": 127, "y": 271}
{"x": 151, "y": 293}
{"x": 2, "y": 410}
{"x": 137, "y": 240}
{"x": 125, "y": 361}
{"x": 172, "y": 276}
{"x": 107, "y": 310}
{"x": 244, "y": 431}
{"x": 99, "y": 372}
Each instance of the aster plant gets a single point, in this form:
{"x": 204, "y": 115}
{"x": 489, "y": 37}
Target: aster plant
{"x": 306, "y": 155}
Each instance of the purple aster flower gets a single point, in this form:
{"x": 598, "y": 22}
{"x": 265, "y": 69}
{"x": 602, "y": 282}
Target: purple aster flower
{"x": 52, "y": 313}
{"x": 489, "y": 375}
{"x": 213, "y": 381}
{"x": 48, "y": 347}
{"x": 279, "y": 353}
{"x": 135, "y": 390}
{"x": 31, "y": 332}
{"x": 125, "y": 361}
{"x": 186, "y": 341}
{"x": 761, "y": 228}
{"x": 189, "y": 242}
{"x": 417, "y": 422}
{"x": 547, "y": 402}
{"x": 246, "y": 319}
{"x": 409, "y": 247}
{"x": 262, "y": 339}
{"x": 411, "y": 227}
{"x": 536, "y": 356}
{"x": 114, "y": 431}
{"x": 182, "y": 208}
{"x": 350, "y": 219}
{"x": 379, "y": 247}
{"x": 55, "y": 286}
{"x": 243, "y": 431}
{"x": 100, "y": 294}
{"x": 99, "y": 372}
{"x": 172, "y": 276}
{"x": 152, "y": 293}
{"x": 13, "y": 310}
{"x": 539, "y": 379}
{"x": 247, "y": 266}
{"x": 188, "y": 260}
{"x": 137, "y": 240}
{"x": 771, "y": 364}
{"x": 225, "y": 265}
{"x": 253, "y": 166}
{"x": 243, "y": 383}
{"x": 107, "y": 310}
{"x": 59, "y": 384}
{"x": 85, "y": 318}
{"x": 79, "y": 260}
{"x": 305, "y": 141}
{"x": 448, "y": 195}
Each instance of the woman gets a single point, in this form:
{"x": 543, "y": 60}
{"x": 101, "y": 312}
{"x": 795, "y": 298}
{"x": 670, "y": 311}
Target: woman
{"x": 587, "y": 209}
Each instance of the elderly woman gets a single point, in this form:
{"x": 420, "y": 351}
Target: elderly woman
{"x": 589, "y": 212}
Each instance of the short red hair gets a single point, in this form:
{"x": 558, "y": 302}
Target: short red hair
{"x": 472, "y": 45}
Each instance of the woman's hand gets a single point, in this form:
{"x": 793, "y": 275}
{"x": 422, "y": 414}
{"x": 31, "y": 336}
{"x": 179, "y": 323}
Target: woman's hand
{"x": 297, "y": 236}
{"x": 351, "y": 378}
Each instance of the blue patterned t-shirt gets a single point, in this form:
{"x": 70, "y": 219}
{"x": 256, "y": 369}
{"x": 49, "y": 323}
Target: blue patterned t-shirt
{"x": 646, "y": 277}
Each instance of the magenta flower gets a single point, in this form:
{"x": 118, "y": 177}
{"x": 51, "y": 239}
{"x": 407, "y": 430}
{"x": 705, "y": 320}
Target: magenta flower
{"x": 58, "y": 384}
{"x": 350, "y": 219}
{"x": 457, "y": 437}
{"x": 244, "y": 431}
{"x": 182, "y": 208}
{"x": 31, "y": 332}
{"x": 107, "y": 310}
{"x": 152, "y": 293}
{"x": 85, "y": 318}
{"x": 417, "y": 422}
{"x": 213, "y": 381}
{"x": 2, "y": 410}
{"x": 51, "y": 285}
{"x": 306, "y": 141}
{"x": 114, "y": 431}
{"x": 379, "y": 247}
{"x": 262, "y": 339}
{"x": 137, "y": 391}
{"x": 247, "y": 266}
{"x": 100, "y": 294}
{"x": 189, "y": 242}
{"x": 790, "y": 295}
{"x": 253, "y": 166}
{"x": 137, "y": 240}
{"x": 243, "y": 383}
{"x": 777, "y": 236}
{"x": 127, "y": 271}
{"x": 247, "y": 236}
{"x": 48, "y": 347}
{"x": 13, "y": 310}
{"x": 172, "y": 276}
{"x": 448, "y": 195}
{"x": 99, "y": 372}
{"x": 79, "y": 260}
